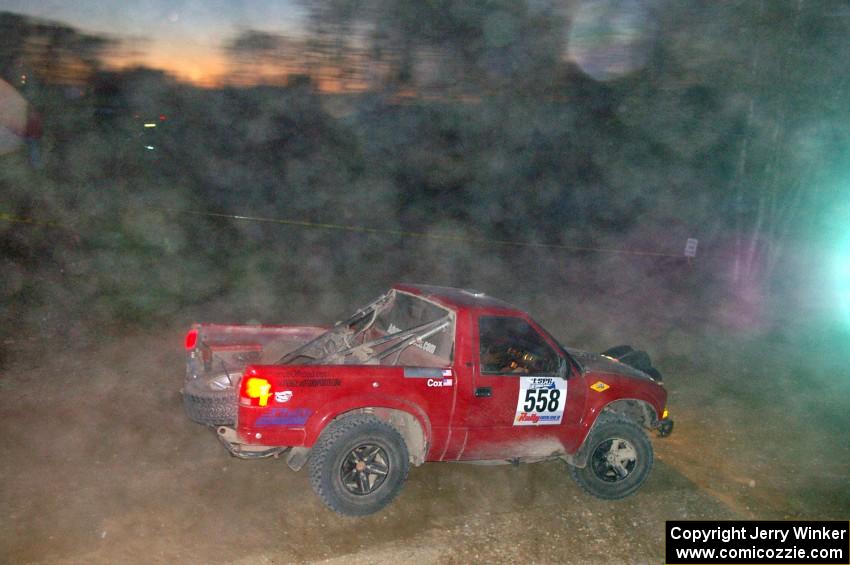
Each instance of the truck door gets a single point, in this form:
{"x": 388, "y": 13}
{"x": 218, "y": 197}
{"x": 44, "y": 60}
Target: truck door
{"x": 518, "y": 405}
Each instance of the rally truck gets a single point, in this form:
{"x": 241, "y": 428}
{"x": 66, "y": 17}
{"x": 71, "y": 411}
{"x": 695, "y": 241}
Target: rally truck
{"x": 424, "y": 373}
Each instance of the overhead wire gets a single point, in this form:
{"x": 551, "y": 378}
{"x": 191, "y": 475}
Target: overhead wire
{"x": 370, "y": 230}
{"x": 422, "y": 235}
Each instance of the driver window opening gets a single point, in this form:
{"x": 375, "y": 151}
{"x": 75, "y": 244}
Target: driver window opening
{"x": 512, "y": 346}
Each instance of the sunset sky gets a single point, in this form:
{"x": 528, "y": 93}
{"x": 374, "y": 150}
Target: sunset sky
{"x": 183, "y": 37}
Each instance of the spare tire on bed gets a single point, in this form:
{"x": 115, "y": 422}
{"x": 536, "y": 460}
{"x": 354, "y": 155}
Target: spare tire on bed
{"x": 205, "y": 402}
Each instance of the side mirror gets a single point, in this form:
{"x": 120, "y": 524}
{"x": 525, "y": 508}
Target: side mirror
{"x": 563, "y": 368}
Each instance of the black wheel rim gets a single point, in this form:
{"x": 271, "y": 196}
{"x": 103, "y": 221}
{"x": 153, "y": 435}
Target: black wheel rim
{"x": 613, "y": 460}
{"x": 364, "y": 469}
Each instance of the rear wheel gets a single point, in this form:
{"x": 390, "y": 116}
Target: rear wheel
{"x": 358, "y": 465}
{"x": 619, "y": 459}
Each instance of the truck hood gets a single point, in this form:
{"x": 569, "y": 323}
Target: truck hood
{"x": 601, "y": 364}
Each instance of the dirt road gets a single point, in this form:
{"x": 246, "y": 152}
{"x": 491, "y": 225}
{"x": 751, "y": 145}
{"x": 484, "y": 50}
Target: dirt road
{"x": 99, "y": 465}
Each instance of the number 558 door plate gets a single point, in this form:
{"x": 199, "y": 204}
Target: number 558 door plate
{"x": 541, "y": 401}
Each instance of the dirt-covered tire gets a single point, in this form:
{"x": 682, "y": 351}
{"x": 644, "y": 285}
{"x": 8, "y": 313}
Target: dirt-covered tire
{"x": 638, "y": 359}
{"x": 358, "y": 465}
{"x": 618, "y": 351}
{"x": 632, "y": 357}
{"x": 209, "y": 407}
{"x": 655, "y": 374}
{"x": 619, "y": 459}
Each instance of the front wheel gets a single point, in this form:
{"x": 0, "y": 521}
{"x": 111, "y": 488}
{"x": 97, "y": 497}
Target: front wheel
{"x": 358, "y": 465}
{"x": 619, "y": 460}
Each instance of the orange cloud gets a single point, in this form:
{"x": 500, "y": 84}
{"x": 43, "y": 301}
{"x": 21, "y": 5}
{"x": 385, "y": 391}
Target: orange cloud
{"x": 190, "y": 63}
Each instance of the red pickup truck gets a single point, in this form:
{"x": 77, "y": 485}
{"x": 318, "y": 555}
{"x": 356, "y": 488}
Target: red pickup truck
{"x": 424, "y": 373}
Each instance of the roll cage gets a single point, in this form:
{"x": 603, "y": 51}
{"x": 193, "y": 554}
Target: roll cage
{"x": 358, "y": 340}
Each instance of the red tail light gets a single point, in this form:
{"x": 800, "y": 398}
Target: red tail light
{"x": 191, "y": 339}
{"x": 257, "y": 390}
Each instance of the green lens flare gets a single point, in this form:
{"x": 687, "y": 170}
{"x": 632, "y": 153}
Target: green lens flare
{"x": 835, "y": 239}
{"x": 841, "y": 274}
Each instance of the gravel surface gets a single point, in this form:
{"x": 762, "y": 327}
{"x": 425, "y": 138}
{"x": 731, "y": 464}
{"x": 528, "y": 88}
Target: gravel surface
{"x": 100, "y": 465}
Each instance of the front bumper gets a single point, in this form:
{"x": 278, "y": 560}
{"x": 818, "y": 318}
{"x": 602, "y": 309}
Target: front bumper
{"x": 664, "y": 427}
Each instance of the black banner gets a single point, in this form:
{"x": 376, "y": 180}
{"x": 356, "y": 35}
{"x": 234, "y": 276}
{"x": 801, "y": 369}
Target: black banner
{"x": 758, "y": 542}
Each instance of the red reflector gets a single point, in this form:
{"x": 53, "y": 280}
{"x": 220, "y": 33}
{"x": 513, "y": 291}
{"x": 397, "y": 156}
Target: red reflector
{"x": 191, "y": 339}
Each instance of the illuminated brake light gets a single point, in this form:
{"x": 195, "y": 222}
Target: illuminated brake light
{"x": 260, "y": 389}
{"x": 191, "y": 340}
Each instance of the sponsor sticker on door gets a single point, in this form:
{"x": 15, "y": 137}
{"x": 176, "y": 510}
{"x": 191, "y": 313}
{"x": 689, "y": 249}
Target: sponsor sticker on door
{"x": 541, "y": 401}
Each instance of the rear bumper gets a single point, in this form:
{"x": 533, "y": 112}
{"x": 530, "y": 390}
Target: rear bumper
{"x": 230, "y": 441}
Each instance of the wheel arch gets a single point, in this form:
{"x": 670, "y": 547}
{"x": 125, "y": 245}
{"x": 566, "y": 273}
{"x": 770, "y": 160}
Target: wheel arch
{"x": 639, "y": 411}
{"x": 410, "y": 428}
{"x": 406, "y": 418}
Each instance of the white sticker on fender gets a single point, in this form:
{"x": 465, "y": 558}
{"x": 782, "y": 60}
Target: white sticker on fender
{"x": 541, "y": 401}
